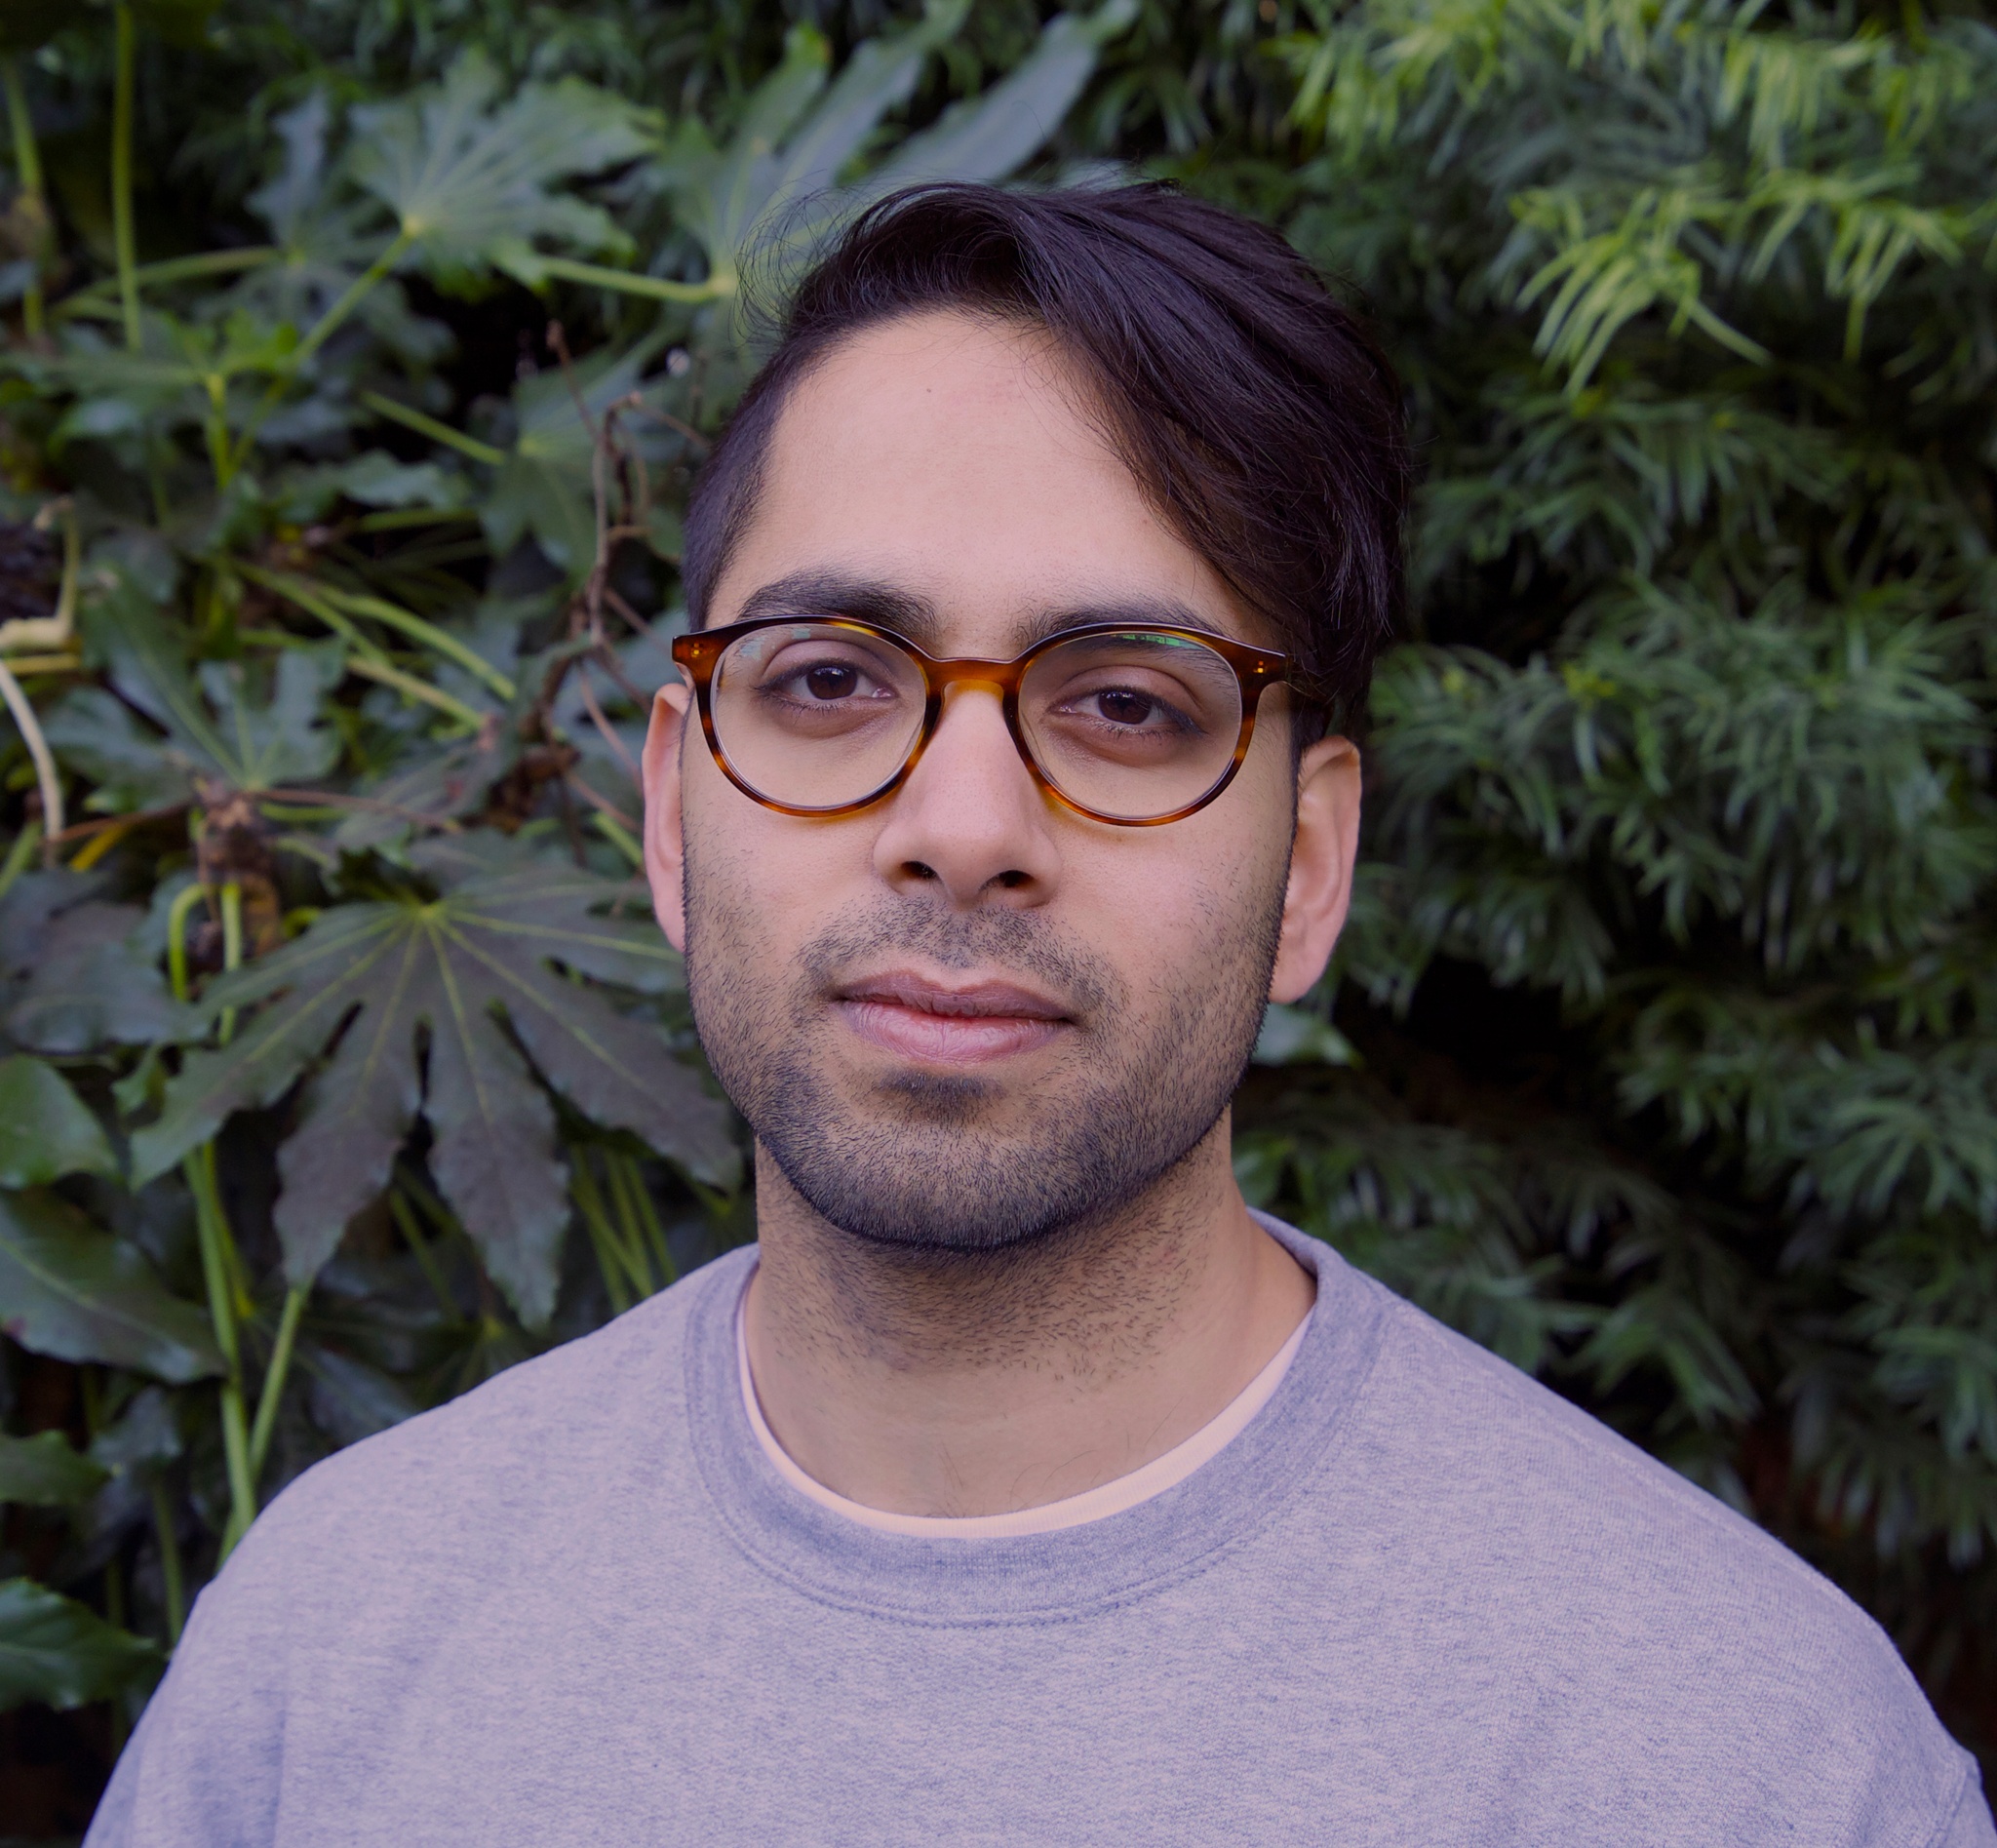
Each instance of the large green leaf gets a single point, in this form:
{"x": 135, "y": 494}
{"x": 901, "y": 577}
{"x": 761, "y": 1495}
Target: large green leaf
{"x": 73, "y": 1292}
{"x": 469, "y": 179}
{"x": 147, "y": 1433}
{"x": 326, "y": 235}
{"x": 82, "y": 977}
{"x": 446, "y": 782}
{"x": 180, "y": 373}
{"x": 46, "y": 1471}
{"x": 544, "y": 486}
{"x": 45, "y": 1131}
{"x": 228, "y": 724}
{"x": 389, "y": 970}
{"x": 994, "y": 135}
{"x": 62, "y": 1653}
{"x": 880, "y": 76}
{"x": 351, "y": 1400}
{"x": 719, "y": 194}
{"x": 774, "y": 189}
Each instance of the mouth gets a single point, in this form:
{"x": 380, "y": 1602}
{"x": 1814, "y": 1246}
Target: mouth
{"x": 916, "y": 1018}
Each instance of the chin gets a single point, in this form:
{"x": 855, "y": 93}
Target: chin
{"x": 950, "y": 1099}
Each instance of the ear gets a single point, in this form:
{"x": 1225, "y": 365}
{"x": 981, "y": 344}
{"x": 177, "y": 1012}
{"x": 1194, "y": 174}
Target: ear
{"x": 665, "y": 839}
{"x": 1321, "y": 856}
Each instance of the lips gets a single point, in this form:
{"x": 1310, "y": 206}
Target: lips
{"x": 915, "y": 1018}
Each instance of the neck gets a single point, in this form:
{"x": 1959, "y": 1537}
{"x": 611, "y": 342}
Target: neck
{"x": 953, "y": 1382}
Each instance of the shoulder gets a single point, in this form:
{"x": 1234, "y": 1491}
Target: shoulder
{"x": 1499, "y": 1450}
{"x": 1492, "y": 1463}
{"x": 1628, "y": 1615}
{"x": 364, "y": 1566}
{"x": 534, "y": 1443}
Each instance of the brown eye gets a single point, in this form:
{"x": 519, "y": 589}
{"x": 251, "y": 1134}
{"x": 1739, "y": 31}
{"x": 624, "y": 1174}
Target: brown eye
{"x": 831, "y": 681}
{"x": 1125, "y": 708}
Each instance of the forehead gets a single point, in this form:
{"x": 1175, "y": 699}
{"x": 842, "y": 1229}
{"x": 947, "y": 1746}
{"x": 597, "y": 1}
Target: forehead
{"x": 954, "y": 460}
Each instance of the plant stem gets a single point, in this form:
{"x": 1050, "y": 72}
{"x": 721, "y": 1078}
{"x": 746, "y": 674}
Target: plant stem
{"x": 46, "y": 779}
{"x": 220, "y": 1264}
{"x": 327, "y": 324}
{"x": 632, "y": 1233}
{"x": 441, "y": 641}
{"x": 355, "y": 293}
{"x": 429, "y": 426}
{"x": 169, "y": 1560}
{"x": 626, "y": 281}
{"x": 620, "y": 838}
{"x": 217, "y": 1251}
{"x": 640, "y": 1198}
{"x": 232, "y": 950}
{"x": 27, "y": 170}
{"x": 274, "y": 1377}
{"x": 607, "y": 1265}
{"x": 398, "y": 518}
{"x": 419, "y": 690}
{"x": 616, "y": 1184}
{"x": 214, "y": 431}
{"x": 100, "y": 844}
{"x": 232, "y": 959}
{"x": 404, "y": 1217}
{"x": 53, "y": 632}
{"x": 18, "y": 854}
{"x": 614, "y": 1259}
{"x": 213, "y": 1226}
{"x": 236, "y": 1452}
{"x": 122, "y": 234}
{"x": 440, "y": 1215}
{"x": 395, "y": 616}
{"x": 172, "y": 269}
{"x": 306, "y": 595}
{"x": 177, "y": 939}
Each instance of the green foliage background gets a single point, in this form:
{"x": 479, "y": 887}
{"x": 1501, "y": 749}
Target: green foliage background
{"x": 342, "y": 1066}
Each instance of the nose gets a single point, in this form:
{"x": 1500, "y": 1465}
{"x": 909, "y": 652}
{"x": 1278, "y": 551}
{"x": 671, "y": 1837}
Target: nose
{"x": 970, "y": 824}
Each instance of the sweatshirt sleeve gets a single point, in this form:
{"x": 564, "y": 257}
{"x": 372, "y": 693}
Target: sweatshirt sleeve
{"x": 203, "y": 1766}
{"x": 1970, "y": 1826}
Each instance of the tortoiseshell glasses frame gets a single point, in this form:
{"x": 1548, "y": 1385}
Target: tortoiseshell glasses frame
{"x": 1255, "y": 670}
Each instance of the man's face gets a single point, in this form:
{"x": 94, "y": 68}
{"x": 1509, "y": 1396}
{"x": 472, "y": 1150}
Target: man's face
{"x": 966, "y": 1017}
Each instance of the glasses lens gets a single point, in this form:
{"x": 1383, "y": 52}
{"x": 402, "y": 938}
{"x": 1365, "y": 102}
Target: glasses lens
{"x": 1133, "y": 725}
{"x": 815, "y": 714}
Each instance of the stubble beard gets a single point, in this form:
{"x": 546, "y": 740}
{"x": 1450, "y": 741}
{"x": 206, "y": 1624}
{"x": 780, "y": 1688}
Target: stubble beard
{"x": 921, "y": 1162}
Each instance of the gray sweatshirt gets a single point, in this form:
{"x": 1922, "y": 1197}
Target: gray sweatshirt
{"x": 1418, "y": 1601}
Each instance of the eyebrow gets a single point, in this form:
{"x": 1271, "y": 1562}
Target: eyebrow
{"x": 916, "y": 617}
{"x": 840, "y": 594}
{"x": 1134, "y": 613}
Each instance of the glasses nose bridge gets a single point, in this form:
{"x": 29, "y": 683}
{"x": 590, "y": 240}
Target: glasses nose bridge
{"x": 1001, "y": 676}
{"x": 948, "y": 679}
{"x": 1000, "y": 679}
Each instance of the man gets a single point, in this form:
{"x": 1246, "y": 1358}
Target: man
{"x": 1020, "y": 1486}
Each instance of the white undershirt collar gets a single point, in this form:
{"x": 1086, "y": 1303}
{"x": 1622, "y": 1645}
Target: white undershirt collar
{"x": 1096, "y": 1504}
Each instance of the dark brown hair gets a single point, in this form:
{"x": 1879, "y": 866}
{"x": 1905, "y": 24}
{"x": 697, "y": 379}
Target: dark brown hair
{"x": 1254, "y": 410}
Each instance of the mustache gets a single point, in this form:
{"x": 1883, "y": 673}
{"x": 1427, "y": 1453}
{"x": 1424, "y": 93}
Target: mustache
{"x": 1001, "y": 941}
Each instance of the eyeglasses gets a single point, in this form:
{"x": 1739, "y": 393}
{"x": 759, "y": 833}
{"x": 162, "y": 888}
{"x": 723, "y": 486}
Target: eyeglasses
{"x": 822, "y": 715}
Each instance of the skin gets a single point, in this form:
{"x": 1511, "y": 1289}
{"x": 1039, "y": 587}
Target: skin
{"x": 954, "y": 461}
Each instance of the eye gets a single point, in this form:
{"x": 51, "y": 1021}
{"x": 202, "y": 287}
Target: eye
{"x": 1121, "y": 706}
{"x": 1126, "y": 708}
{"x": 832, "y": 680}
{"x": 825, "y": 682}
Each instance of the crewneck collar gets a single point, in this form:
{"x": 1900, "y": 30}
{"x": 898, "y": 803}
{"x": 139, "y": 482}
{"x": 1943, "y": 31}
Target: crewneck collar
{"x": 1033, "y": 1578}
{"x": 1113, "y": 1497}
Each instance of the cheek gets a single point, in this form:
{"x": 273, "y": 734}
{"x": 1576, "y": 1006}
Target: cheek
{"x": 1177, "y": 915}
{"x": 760, "y": 883}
